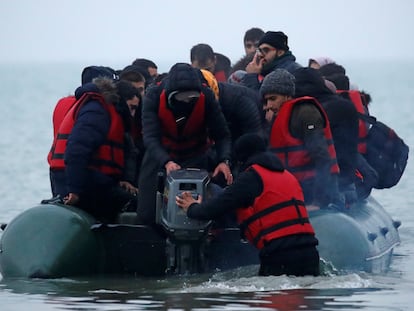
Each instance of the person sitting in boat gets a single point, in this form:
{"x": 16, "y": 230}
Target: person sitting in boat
{"x": 343, "y": 119}
{"x": 180, "y": 120}
{"x": 301, "y": 137}
{"x": 65, "y": 103}
{"x": 251, "y": 39}
{"x": 87, "y": 155}
{"x": 272, "y": 53}
{"x": 270, "y": 208}
{"x": 239, "y": 104}
{"x": 129, "y": 107}
{"x": 202, "y": 56}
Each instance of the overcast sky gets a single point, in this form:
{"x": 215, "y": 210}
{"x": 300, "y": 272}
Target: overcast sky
{"x": 105, "y": 32}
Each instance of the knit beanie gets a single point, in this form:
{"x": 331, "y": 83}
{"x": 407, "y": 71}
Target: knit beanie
{"x": 237, "y": 76}
{"x": 280, "y": 82}
{"x": 248, "y": 145}
{"x": 277, "y": 39}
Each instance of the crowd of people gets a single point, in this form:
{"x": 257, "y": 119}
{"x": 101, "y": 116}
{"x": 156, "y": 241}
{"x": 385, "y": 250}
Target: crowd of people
{"x": 278, "y": 138}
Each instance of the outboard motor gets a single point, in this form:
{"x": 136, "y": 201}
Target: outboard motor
{"x": 186, "y": 237}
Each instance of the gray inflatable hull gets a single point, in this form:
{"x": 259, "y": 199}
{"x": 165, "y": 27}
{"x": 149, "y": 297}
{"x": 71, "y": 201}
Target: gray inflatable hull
{"x": 51, "y": 241}
{"x": 362, "y": 238}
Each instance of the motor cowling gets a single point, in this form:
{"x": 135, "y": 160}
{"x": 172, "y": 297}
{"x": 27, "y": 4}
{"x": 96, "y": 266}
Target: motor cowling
{"x": 170, "y": 216}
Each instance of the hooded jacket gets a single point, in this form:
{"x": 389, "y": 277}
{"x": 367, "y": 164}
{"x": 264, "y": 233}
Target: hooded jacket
{"x": 242, "y": 194}
{"x": 88, "y": 134}
{"x": 182, "y": 78}
{"x": 342, "y": 117}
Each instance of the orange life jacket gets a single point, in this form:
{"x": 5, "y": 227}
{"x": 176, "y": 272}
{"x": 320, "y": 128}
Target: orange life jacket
{"x": 109, "y": 157}
{"x": 292, "y": 151}
{"x": 193, "y": 140}
{"x": 277, "y": 212}
{"x": 356, "y": 99}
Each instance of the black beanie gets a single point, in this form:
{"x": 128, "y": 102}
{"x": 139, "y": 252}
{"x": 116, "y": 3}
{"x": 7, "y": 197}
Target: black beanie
{"x": 91, "y": 72}
{"x": 277, "y": 39}
{"x": 248, "y": 145}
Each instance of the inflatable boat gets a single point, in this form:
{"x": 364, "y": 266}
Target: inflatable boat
{"x": 53, "y": 240}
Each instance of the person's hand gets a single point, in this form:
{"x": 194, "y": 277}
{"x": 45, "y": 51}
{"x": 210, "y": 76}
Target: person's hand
{"x": 256, "y": 65}
{"x": 186, "y": 199}
{"x": 225, "y": 170}
{"x": 71, "y": 199}
{"x": 171, "y": 166}
{"x": 128, "y": 187}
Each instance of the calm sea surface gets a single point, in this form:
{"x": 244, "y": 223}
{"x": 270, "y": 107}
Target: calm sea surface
{"x": 28, "y": 94}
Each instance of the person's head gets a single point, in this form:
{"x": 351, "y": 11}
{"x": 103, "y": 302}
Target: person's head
{"x": 202, "y": 57}
{"x": 336, "y": 74}
{"x": 317, "y": 62}
{"x": 272, "y": 45}
{"x": 91, "y": 72}
{"x": 246, "y": 146}
{"x": 183, "y": 85}
{"x": 133, "y": 74}
{"x": 277, "y": 88}
{"x": 251, "y": 39}
{"x": 129, "y": 94}
{"x": 149, "y": 65}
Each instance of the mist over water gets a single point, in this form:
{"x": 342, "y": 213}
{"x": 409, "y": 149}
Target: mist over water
{"x": 29, "y": 94}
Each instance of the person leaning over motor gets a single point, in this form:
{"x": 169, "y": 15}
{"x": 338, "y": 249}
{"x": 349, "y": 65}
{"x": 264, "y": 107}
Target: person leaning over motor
{"x": 301, "y": 137}
{"x": 87, "y": 155}
{"x": 270, "y": 209}
{"x": 180, "y": 120}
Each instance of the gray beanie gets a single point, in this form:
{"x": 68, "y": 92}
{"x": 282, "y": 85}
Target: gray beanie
{"x": 280, "y": 82}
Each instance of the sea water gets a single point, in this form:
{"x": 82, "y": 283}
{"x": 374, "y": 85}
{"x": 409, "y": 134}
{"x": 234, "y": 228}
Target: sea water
{"x": 28, "y": 95}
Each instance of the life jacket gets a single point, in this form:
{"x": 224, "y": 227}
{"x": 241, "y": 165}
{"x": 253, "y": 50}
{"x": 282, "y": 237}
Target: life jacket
{"x": 277, "y": 212}
{"x": 109, "y": 158}
{"x": 356, "y": 98}
{"x": 193, "y": 140}
{"x": 292, "y": 151}
{"x": 61, "y": 109}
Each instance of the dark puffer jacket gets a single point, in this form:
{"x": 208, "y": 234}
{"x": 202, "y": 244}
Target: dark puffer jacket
{"x": 240, "y": 107}
{"x": 183, "y": 77}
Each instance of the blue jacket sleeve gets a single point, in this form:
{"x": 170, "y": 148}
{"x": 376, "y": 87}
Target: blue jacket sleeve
{"x": 89, "y": 132}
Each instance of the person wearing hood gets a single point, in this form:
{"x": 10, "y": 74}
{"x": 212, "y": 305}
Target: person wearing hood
{"x": 343, "y": 119}
{"x": 272, "y": 53}
{"x": 87, "y": 155}
{"x": 301, "y": 137}
{"x": 180, "y": 120}
{"x": 270, "y": 208}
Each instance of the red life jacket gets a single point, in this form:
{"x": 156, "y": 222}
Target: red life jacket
{"x": 61, "y": 109}
{"x": 292, "y": 151}
{"x": 277, "y": 212}
{"x": 356, "y": 99}
{"x": 109, "y": 157}
{"x": 193, "y": 140}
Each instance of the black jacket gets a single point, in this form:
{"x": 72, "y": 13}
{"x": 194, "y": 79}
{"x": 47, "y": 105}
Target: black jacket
{"x": 240, "y": 107}
{"x": 241, "y": 194}
{"x": 216, "y": 123}
{"x": 286, "y": 61}
{"x": 342, "y": 116}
